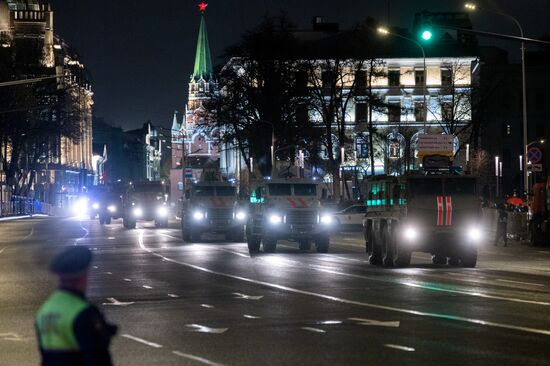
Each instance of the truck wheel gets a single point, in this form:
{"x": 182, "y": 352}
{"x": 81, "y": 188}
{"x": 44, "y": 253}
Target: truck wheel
{"x": 253, "y": 242}
{"x": 469, "y": 258}
{"x": 101, "y": 220}
{"x": 185, "y": 234}
{"x": 129, "y": 224}
{"x": 401, "y": 255}
{"x": 322, "y": 244}
{"x": 108, "y": 220}
{"x": 270, "y": 245}
{"x": 371, "y": 247}
{"x": 454, "y": 261}
{"x": 387, "y": 248}
{"x": 439, "y": 259}
{"x": 305, "y": 244}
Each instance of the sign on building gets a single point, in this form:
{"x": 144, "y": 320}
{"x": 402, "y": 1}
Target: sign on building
{"x": 435, "y": 144}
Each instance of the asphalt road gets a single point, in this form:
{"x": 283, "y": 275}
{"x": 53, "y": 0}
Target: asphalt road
{"x": 213, "y": 304}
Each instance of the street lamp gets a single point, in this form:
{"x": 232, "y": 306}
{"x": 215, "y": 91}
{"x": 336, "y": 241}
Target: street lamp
{"x": 425, "y": 35}
{"x": 472, "y": 7}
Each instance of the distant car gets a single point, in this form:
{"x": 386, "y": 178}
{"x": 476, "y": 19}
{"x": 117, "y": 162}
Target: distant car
{"x": 352, "y": 215}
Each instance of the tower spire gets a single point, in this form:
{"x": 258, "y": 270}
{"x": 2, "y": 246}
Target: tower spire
{"x": 203, "y": 59}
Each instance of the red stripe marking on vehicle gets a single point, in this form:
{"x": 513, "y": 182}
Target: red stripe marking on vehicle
{"x": 215, "y": 201}
{"x": 292, "y": 202}
{"x": 303, "y": 202}
{"x": 221, "y": 201}
{"x": 439, "y": 210}
{"x": 449, "y": 208}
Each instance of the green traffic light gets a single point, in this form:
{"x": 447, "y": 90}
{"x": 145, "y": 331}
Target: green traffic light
{"x": 426, "y": 35}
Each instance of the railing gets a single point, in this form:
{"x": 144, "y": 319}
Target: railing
{"x": 22, "y": 205}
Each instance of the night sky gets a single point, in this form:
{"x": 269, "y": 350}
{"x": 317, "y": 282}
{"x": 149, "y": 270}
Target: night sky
{"x": 141, "y": 53}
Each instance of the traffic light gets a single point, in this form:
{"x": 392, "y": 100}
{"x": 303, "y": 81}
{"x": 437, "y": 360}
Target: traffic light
{"x": 426, "y": 34}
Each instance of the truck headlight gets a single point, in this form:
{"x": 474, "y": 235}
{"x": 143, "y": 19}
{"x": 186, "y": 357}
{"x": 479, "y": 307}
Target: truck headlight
{"x": 474, "y": 233}
{"x": 111, "y": 208}
{"x": 326, "y": 219}
{"x": 162, "y": 211}
{"x": 410, "y": 233}
{"x": 96, "y": 206}
{"x": 240, "y": 215}
{"x": 275, "y": 219}
{"x": 80, "y": 207}
{"x": 198, "y": 215}
{"x": 138, "y": 212}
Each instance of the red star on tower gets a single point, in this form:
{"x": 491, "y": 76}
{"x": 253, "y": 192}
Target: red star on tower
{"x": 202, "y": 6}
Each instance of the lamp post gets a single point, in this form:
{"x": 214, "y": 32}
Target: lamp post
{"x": 386, "y": 31}
{"x": 472, "y": 7}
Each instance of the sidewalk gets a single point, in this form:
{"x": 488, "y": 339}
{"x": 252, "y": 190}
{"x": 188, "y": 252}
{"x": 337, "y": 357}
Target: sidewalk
{"x": 11, "y": 218}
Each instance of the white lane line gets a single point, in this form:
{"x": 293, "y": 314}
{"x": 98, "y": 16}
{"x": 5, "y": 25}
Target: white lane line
{"x": 147, "y": 343}
{"x": 111, "y": 238}
{"x": 197, "y": 358}
{"x": 109, "y": 273}
{"x": 472, "y": 276}
{"x": 127, "y": 280}
{"x": 233, "y": 252}
{"x": 521, "y": 283}
{"x": 435, "y": 288}
{"x": 30, "y": 234}
{"x": 401, "y": 348}
{"x": 315, "y": 330}
{"x": 204, "y": 329}
{"x": 362, "y": 321}
{"x": 247, "y": 316}
{"x": 207, "y": 306}
{"x": 2, "y": 250}
{"x": 95, "y": 267}
{"x": 86, "y": 232}
{"x": 246, "y": 297}
{"x": 174, "y": 296}
{"x": 351, "y": 302}
{"x": 147, "y": 287}
{"x": 115, "y": 302}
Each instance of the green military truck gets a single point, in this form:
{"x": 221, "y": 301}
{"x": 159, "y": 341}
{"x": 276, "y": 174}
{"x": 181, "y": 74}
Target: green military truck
{"x": 418, "y": 212}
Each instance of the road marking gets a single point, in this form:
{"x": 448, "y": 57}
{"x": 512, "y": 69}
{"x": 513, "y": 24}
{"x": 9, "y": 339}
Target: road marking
{"x": 13, "y": 337}
{"x": 246, "y": 297}
{"x": 330, "y": 322}
{"x": 315, "y": 330}
{"x": 204, "y": 329}
{"x": 147, "y": 343}
{"x": 115, "y": 302}
{"x": 350, "y": 302}
{"x": 2, "y": 250}
{"x": 473, "y": 275}
{"x": 111, "y": 238}
{"x": 361, "y": 321}
{"x": 30, "y": 234}
{"x": 86, "y": 232}
{"x": 173, "y": 296}
{"x": 207, "y": 306}
{"x": 233, "y": 252}
{"x": 251, "y": 316}
{"x": 401, "y": 348}
{"x": 109, "y": 273}
{"x": 147, "y": 287}
{"x": 197, "y": 358}
{"x": 127, "y": 280}
{"x": 521, "y": 283}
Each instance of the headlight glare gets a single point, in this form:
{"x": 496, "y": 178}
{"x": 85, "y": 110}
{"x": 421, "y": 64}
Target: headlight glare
{"x": 475, "y": 234}
{"x": 162, "y": 211}
{"x": 95, "y": 206}
{"x": 111, "y": 208}
{"x": 326, "y": 219}
{"x": 410, "y": 233}
{"x": 138, "y": 212}
{"x": 241, "y": 215}
{"x": 275, "y": 219}
{"x": 198, "y": 215}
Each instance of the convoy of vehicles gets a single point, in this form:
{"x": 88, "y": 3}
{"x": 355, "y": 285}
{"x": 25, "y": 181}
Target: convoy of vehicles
{"x": 350, "y": 216}
{"x": 212, "y": 207}
{"x": 287, "y": 209}
{"x": 147, "y": 201}
{"x": 433, "y": 213}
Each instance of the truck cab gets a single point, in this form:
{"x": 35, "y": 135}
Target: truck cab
{"x": 287, "y": 209}
{"x": 434, "y": 213}
{"x": 145, "y": 201}
{"x": 212, "y": 207}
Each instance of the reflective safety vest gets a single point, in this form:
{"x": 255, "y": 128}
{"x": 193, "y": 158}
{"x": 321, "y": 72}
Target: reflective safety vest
{"x": 55, "y": 320}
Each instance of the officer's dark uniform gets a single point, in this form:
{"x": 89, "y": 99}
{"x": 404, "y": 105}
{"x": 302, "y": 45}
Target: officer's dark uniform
{"x": 70, "y": 330}
{"x": 502, "y": 226}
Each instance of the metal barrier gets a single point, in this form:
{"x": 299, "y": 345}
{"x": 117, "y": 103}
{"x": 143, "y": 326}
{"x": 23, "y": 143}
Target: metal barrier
{"x": 22, "y": 205}
{"x": 517, "y": 225}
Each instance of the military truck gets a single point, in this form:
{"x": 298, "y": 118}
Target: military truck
{"x": 146, "y": 201}
{"x": 212, "y": 207}
{"x": 287, "y": 209}
{"x": 436, "y": 213}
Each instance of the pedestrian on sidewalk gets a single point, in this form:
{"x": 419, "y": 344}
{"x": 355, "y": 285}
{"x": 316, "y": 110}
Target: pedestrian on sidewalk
{"x": 70, "y": 330}
{"x": 502, "y": 225}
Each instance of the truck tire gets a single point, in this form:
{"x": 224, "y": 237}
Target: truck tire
{"x": 101, "y": 220}
{"x": 269, "y": 244}
{"x": 371, "y": 246}
{"x": 322, "y": 244}
{"x": 305, "y": 244}
{"x": 253, "y": 242}
{"x": 108, "y": 220}
{"x": 185, "y": 235}
{"x": 386, "y": 248}
{"x": 469, "y": 258}
{"x": 128, "y": 223}
{"x": 401, "y": 254}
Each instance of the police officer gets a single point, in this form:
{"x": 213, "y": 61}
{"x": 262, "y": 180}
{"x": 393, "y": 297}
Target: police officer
{"x": 502, "y": 225}
{"x": 70, "y": 330}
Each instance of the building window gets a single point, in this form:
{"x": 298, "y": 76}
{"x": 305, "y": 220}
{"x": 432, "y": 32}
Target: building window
{"x": 393, "y": 77}
{"x": 327, "y": 80}
{"x": 447, "y": 111}
{"x": 362, "y": 146}
{"x": 419, "y": 78}
{"x": 302, "y": 116}
{"x": 361, "y": 82}
{"x": 394, "y": 112}
{"x": 419, "y": 111}
{"x": 301, "y": 83}
{"x": 446, "y": 77}
{"x": 360, "y": 112}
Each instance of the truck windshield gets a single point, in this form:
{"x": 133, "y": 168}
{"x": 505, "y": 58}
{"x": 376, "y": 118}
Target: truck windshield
{"x": 460, "y": 186}
{"x": 279, "y": 189}
{"x": 426, "y": 186}
{"x": 225, "y": 191}
{"x": 305, "y": 190}
{"x": 201, "y": 191}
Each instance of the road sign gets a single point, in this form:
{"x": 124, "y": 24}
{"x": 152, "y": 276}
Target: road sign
{"x": 436, "y": 144}
{"x": 535, "y": 167}
{"x": 534, "y": 155}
